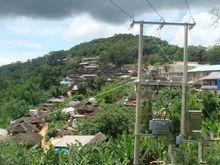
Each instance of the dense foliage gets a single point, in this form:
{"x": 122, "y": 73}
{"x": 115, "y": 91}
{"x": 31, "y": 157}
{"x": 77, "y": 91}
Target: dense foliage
{"x": 26, "y": 85}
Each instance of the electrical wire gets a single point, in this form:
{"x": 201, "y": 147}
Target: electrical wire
{"x": 160, "y": 27}
{"x": 122, "y": 10}
{"x": 150, "y": 4}
{"x": 165, "y": 55}
{"x": 121, "y": 86}
{"x": 190, "y": 12}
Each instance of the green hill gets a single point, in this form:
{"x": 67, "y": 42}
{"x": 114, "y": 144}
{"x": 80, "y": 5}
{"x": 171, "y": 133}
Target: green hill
{"x": 27, "y": 84}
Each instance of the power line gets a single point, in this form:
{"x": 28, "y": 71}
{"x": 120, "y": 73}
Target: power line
{"x": 187, "y": 4}
{"x": 150, "y": 4}
{"x": 165, "y": 55}
{"x": 122, "y": 10}
{"x": 98, "y": 95}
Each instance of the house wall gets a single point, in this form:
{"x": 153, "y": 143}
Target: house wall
{"x": 209, "y": 82}
{"x": 199, "y": 75}
{"x": 218, "y": 84}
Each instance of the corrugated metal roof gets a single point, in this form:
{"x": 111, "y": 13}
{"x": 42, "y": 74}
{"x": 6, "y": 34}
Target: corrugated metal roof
{"x": 75, "y": 139}
{"x": 71, "y": 140}
{"x": 212, "y": 76}
{"x": 203, "y": 68}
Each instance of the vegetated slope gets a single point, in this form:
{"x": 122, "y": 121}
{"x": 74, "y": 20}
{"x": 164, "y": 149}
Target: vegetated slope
{"x": 119, "y": 49}
{"x": 30, "y": 83}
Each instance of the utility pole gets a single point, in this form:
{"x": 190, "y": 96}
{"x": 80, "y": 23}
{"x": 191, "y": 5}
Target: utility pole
{"x": 184, "y": 84}
{"x": 138, "y": 83}
{"x": 138, "y": 99}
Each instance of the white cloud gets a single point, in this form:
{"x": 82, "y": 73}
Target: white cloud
{"x": 21, "y": 43}
{"x": 21, "y": 37}
{"x": 84, "y": 28}
{"x": 7, "y": 57}
{"x": 202, "y": 34}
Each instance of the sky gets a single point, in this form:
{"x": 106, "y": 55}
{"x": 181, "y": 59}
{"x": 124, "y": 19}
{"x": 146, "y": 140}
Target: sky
{"x": 29, "y": 29}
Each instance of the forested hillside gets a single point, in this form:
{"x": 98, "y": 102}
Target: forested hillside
{"x": 25, "y": 85}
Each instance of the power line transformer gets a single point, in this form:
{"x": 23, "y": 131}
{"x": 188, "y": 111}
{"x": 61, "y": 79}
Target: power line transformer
{"x": 160, "y": 126}
{"x": 194, "y": 123}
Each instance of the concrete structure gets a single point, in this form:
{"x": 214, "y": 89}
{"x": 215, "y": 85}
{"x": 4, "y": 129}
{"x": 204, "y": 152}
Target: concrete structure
{"x": 176, "y": 69}
{"x": 59, "y": 99}
{"x": 62, "y": 144}
{"x": 67, "y": 81}
{"x": 211, "y": 82}
{"x": 201, "y": 71}
{"x": 3, "y": 134}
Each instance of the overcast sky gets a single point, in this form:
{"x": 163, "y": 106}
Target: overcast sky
{"x": 32, "y": 28}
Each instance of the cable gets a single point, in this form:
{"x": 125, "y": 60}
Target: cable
{"x": 150, "y": 4}
{"x": 121, "y": 86}
{"x": 122, "y": 10}
{"x": 187, "y": 4}
{"x": 166, "y": 56}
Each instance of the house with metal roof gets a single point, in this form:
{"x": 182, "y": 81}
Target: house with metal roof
{"x": 211, "y": 82}
{"x": 62, "y": 144}
{"x": 201, "y": 71}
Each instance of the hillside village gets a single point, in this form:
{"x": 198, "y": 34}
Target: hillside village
{"x": 34, "y": 127}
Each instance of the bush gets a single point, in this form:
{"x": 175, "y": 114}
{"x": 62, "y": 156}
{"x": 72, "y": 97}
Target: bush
{"x": 112, "y": 120}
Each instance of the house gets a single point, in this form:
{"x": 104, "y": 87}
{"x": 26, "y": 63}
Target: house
{"x": 67, "y": 81}
{"x": 73, "y": 103}
{"x": 47, "y": 105}
{"x": 62, "y": 144}
{"x": 68, "y": 110}
{"x": 85, "y": 76}
{"x": 38, "y": 116}
{"x": 176, "y": 69}
{"x": 22, "y": 126}
{"x": 58, "y": 100}
{"x": 153, "y": 70}
{"x": 89, "y": 61}
{"x": 3, "y": 134}
{"x": 127, "y": 71}
{"x": 85, "y": 108}
{"x": 26, "y": 129}
{"x": 131, "y": 100}
{"x": 211, "y": 82}
{"x": 45, "y": 108}
{"x": 28, "y": 139}
{"x": 201, "y": 71}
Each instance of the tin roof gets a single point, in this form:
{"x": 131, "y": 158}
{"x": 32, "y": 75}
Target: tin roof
{"x": 212, "y": 76}
{"x": 83, "y": 140}
{"x": 203, "y": 68}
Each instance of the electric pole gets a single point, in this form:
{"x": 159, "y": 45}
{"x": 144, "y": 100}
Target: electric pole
{"x": 138, "y": 99}
{"x": 184, "y": 84}
{"x": 137, "y": 132}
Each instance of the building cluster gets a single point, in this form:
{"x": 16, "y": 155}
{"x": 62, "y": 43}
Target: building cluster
{"x": 204, "y": 77}
{"x": 88, "y": 68}
{"x": 31, "y": 129}
{"x": 26, "y": 130}
{"x": 201, "y": 77}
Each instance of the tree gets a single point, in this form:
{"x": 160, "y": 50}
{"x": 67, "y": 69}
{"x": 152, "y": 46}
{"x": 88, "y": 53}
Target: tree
{"x": 212, "y": 56}
{"x": 49, "y": 76}
{"x": 112, "y": 120}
